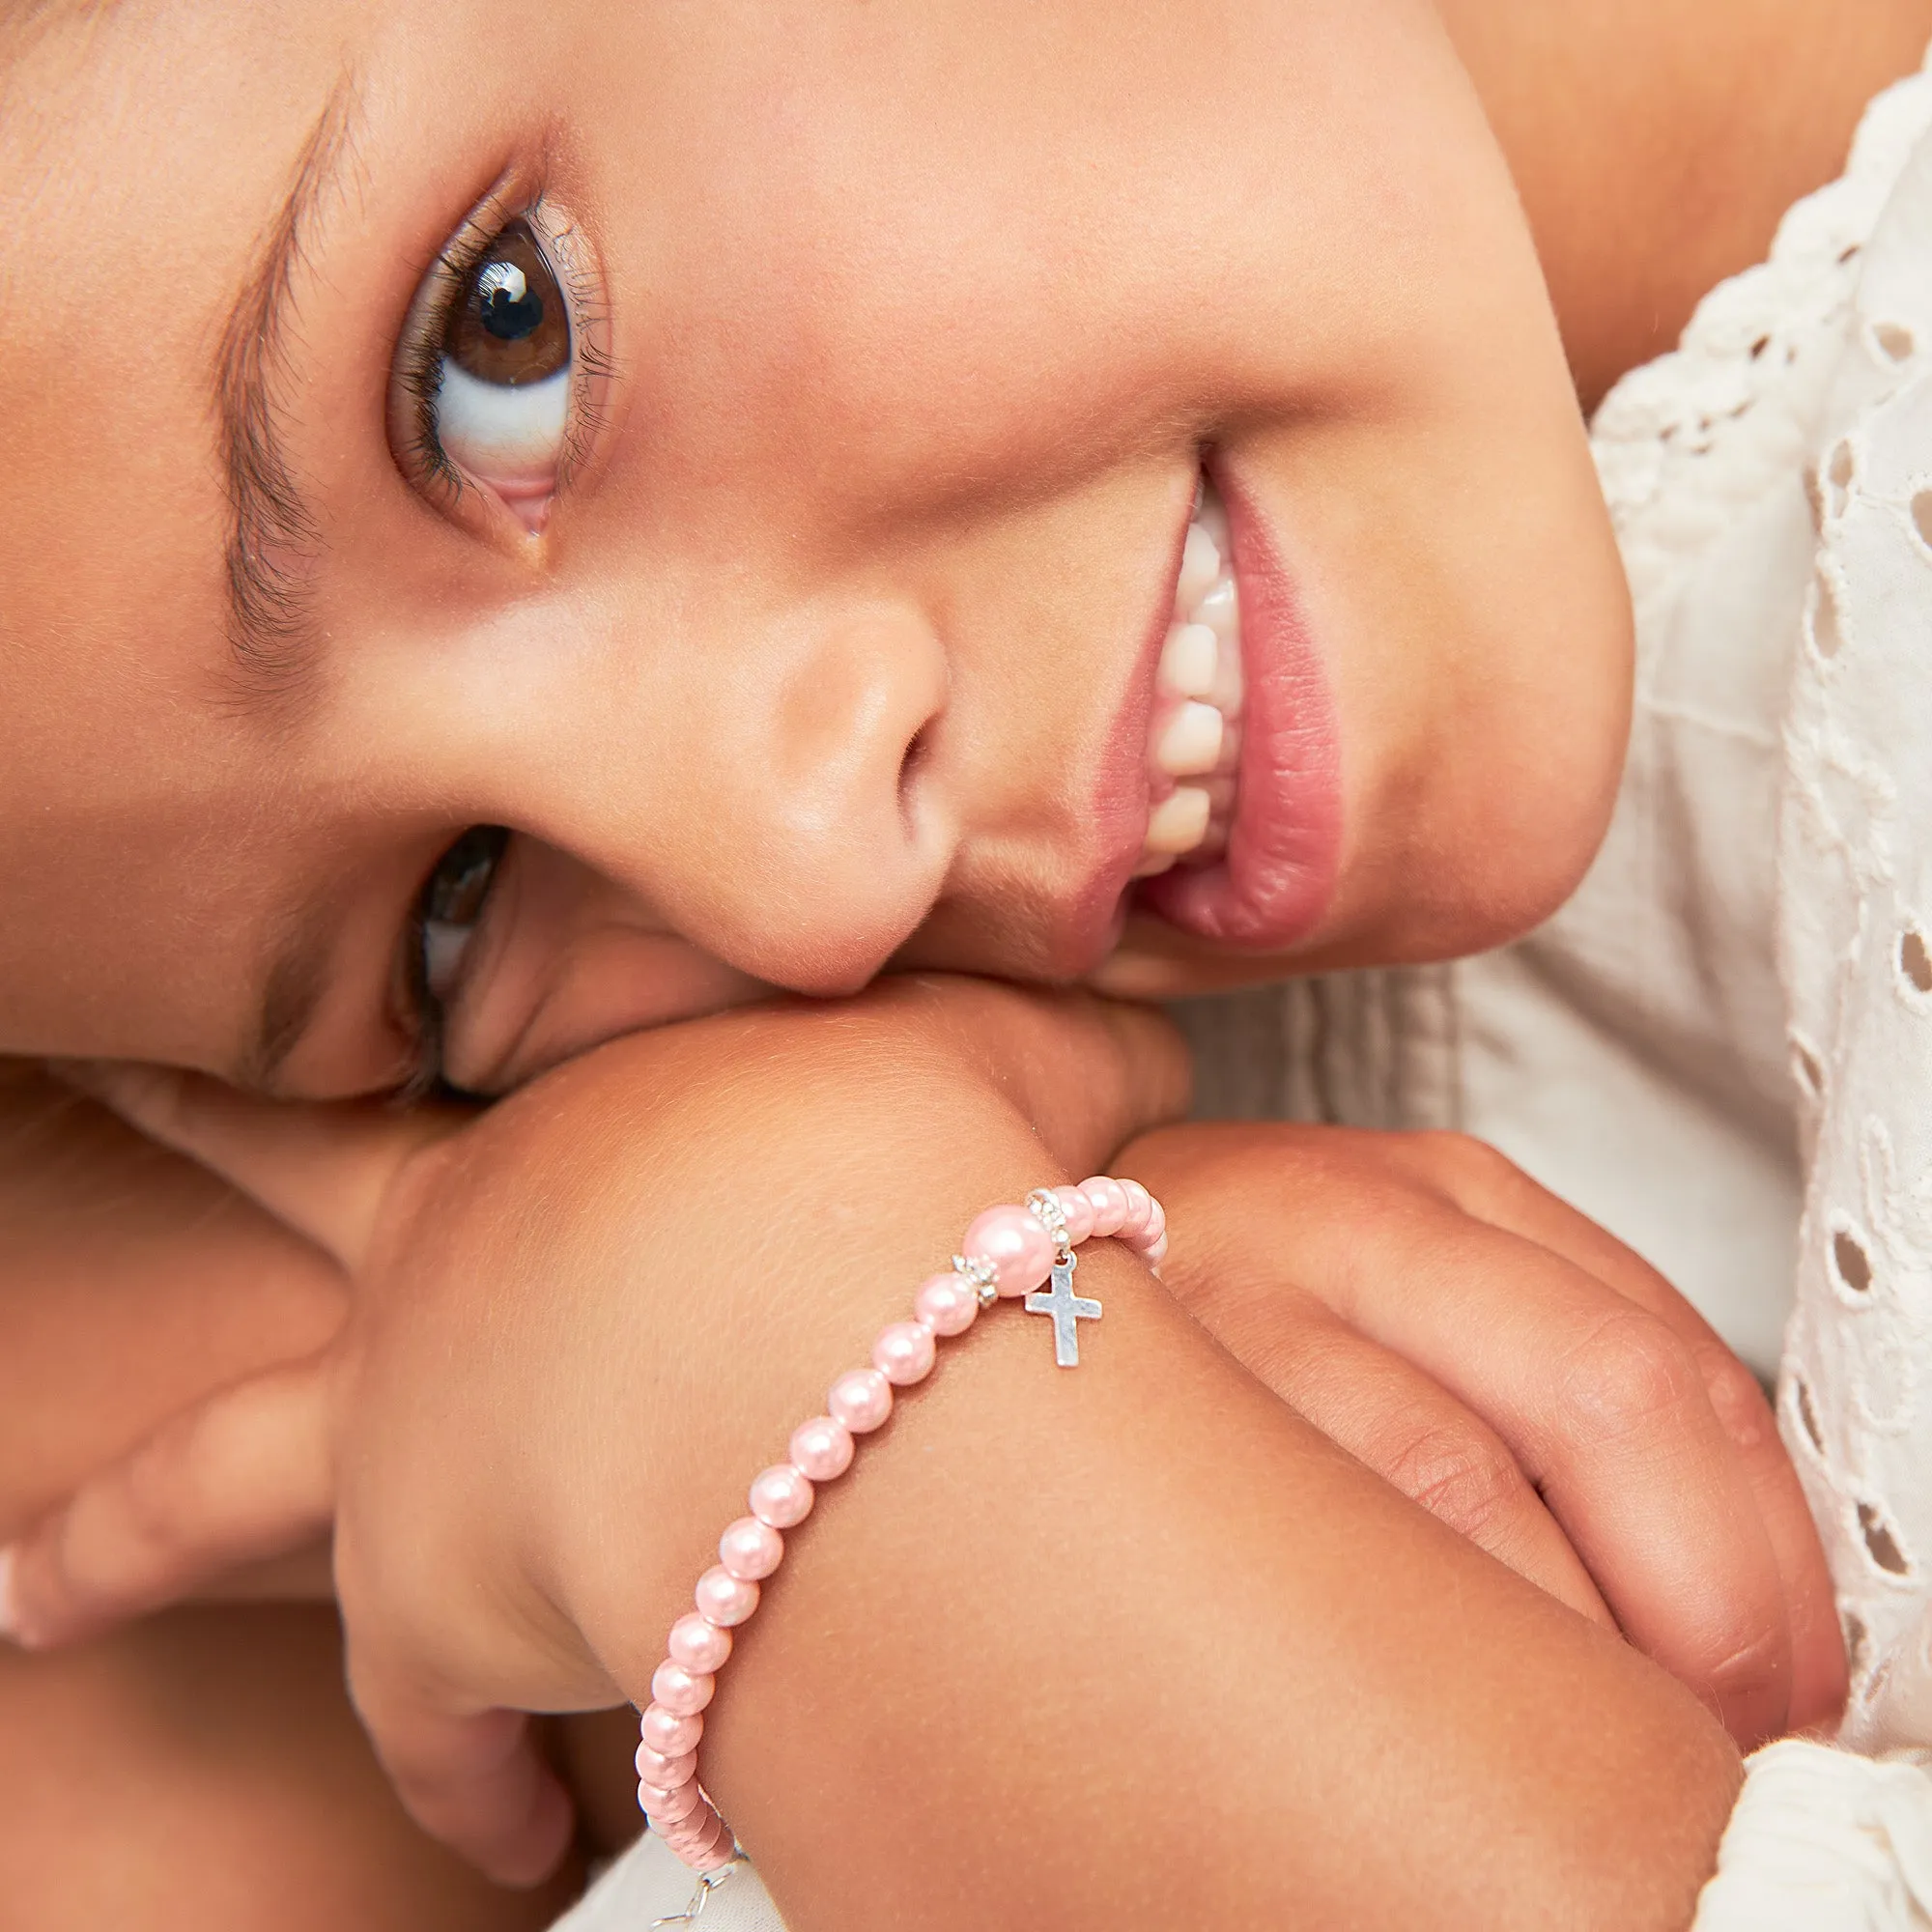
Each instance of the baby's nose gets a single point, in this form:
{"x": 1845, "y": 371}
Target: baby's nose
{"x": 821, "y": 832}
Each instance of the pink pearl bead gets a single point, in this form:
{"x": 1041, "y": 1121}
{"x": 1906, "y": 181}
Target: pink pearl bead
{"x": 686, "y": 1834}
{"x": 667, "y": 1731}
{"x": 655, "y": 1767}
{"x": 697, "y": 1643}
{"x": 703, "y": 1842}
{"x": 1139, "y": 1207}
{"x": 904, "y": 1353}
{"x": 1018, "y": 1248}
{"x": 780, "y": 1496}
{"x": 1109, "y": 1200}
{"x": 750, "y": 1550}
{"x": 679, "y": 1801}
{"x": 1156, "y": 1224}
{"x": 1155, "y": 1255}
{"x": 718, "y": 1852}
{"x": 685, "y": 1692}
{"x": 724, "y": 1599}
{"x": 822, "y": 1448}
{"x": 861, "y": 1399}
{"x": 1079, "y": 1212}
{"x": 946, "y": 1304}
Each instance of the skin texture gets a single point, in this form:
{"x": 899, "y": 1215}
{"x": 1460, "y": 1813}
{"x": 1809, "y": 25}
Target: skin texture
{"x": 645, "y": 713}
{"x": 146, "y": 855}
{"x": 1656, "y": 148}
{"x": 769, "y": 697}
{"x": 554, "y": 1549}
{"x": 1627, "y": 1491}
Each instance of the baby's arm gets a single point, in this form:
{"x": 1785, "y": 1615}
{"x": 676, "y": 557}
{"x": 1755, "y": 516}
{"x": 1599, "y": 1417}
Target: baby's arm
{"x": 133, "y": 1283}
{"x": 1066, "y": 1649}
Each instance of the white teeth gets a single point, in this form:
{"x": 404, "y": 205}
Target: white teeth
{"x": 1200, "y": 566}
{"x": 1178, "y": 822}
{"x": 1188, "y": 661}
{"x": 1212, "y": 514}
{"x": 1220, "y": 612}
{"x": 1191, "y": 744}
{"x": 1194, "y": 732}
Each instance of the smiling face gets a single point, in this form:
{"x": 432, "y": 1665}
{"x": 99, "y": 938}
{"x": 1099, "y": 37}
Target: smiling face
{"x": 1025, "y": 487}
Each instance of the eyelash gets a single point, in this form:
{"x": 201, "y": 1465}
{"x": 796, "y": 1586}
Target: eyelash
{"x": 419, "y": 354}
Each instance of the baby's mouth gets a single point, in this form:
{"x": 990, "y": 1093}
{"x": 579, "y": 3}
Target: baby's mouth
{"x": 1194, "y": 734}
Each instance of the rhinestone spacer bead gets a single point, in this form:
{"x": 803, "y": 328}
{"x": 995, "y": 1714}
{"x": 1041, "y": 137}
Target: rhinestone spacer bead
{"x": 983, "y": 1275}
{"x": 1043, "y": 1204}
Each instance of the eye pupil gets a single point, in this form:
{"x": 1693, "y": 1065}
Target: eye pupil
{"x": 510, "y": 328}
{"x": 510, "y": 317}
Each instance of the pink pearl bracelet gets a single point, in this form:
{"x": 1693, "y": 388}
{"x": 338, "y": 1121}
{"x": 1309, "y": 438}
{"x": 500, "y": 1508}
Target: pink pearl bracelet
{"x": 1007, "y": 1252}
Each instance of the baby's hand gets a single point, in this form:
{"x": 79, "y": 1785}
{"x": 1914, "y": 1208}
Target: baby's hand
{"x": 1525, "y": 1376}
{"x": 527, "y": 1394}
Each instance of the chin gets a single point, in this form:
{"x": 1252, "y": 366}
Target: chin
{"x": 1506, "y": 871}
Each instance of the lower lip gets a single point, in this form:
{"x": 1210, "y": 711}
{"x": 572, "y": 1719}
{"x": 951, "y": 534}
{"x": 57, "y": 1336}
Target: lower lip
{"x": 1272, "y": 886}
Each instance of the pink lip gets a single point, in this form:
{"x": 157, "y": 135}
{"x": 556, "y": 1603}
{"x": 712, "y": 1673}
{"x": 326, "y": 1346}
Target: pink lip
{"x": 1275, "y": 880}
{"x": 1120, "y": 805}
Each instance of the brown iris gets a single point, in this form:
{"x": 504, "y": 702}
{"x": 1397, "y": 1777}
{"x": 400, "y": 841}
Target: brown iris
{"x": 510, "y": 325}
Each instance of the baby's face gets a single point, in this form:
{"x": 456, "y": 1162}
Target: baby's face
{"x": 749, "y": 450}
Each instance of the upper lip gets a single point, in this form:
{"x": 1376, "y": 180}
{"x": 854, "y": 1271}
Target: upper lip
{"x": 1122, "y": 797}
{"x": 1274, "y": 882}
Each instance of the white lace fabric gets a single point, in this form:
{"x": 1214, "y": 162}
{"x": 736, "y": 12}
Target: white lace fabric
{"x": 1855, "y": 860}
{"x": 1824, "y": 1841}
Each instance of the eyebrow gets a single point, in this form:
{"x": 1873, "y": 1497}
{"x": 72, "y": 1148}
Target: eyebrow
{"x": 274, "y": 537}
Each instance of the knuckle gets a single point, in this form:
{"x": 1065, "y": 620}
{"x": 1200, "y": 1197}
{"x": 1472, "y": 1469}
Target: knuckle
{"x": 1734, "y": 1393}
{"x": 1751, "y": 1679}
{"x": 153, "y": 1494}
{"x": 1630, "y": 1372}
{"x": 1462, "y": 1475}
{"x": 1470, "y": 1168}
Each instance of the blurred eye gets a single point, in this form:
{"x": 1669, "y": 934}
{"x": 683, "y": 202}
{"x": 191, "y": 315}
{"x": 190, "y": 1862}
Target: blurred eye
{"x": 495, "y": 404}
{"x": 453, "y": 899}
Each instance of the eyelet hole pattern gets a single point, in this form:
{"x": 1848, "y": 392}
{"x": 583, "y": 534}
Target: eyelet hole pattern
{"x": 1914, "y": 960}
{"x": 1804, "y": 1063}
{"x": 1894, "y": 340}
{"x": 1823, "y": 616}
{"x": 1849, "y": 1262}
{"x": 1808, "y": 1415}
{"x": 1881, "y": 1542}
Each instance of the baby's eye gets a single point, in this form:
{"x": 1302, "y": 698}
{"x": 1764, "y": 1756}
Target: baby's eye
{"x": 496, "y": 401}
{"x": 452, "y": 902}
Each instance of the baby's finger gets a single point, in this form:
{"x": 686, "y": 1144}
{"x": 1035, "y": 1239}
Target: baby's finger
{"x": 471, "y": 1778}
{"x": 1418, "y": 1437}
{"x": 1486, "y": 1184}
{"x": 1607, "y": 1412}
{"x": 241, "y": 1476}
{"x": 321, "y": 1168}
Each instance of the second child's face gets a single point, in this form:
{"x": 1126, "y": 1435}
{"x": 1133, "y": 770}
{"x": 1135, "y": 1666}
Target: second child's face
{"x": 1046, "y": 489}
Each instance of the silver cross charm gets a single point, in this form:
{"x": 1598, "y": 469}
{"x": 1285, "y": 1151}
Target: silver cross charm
{"x": 1067, "y": 1308}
